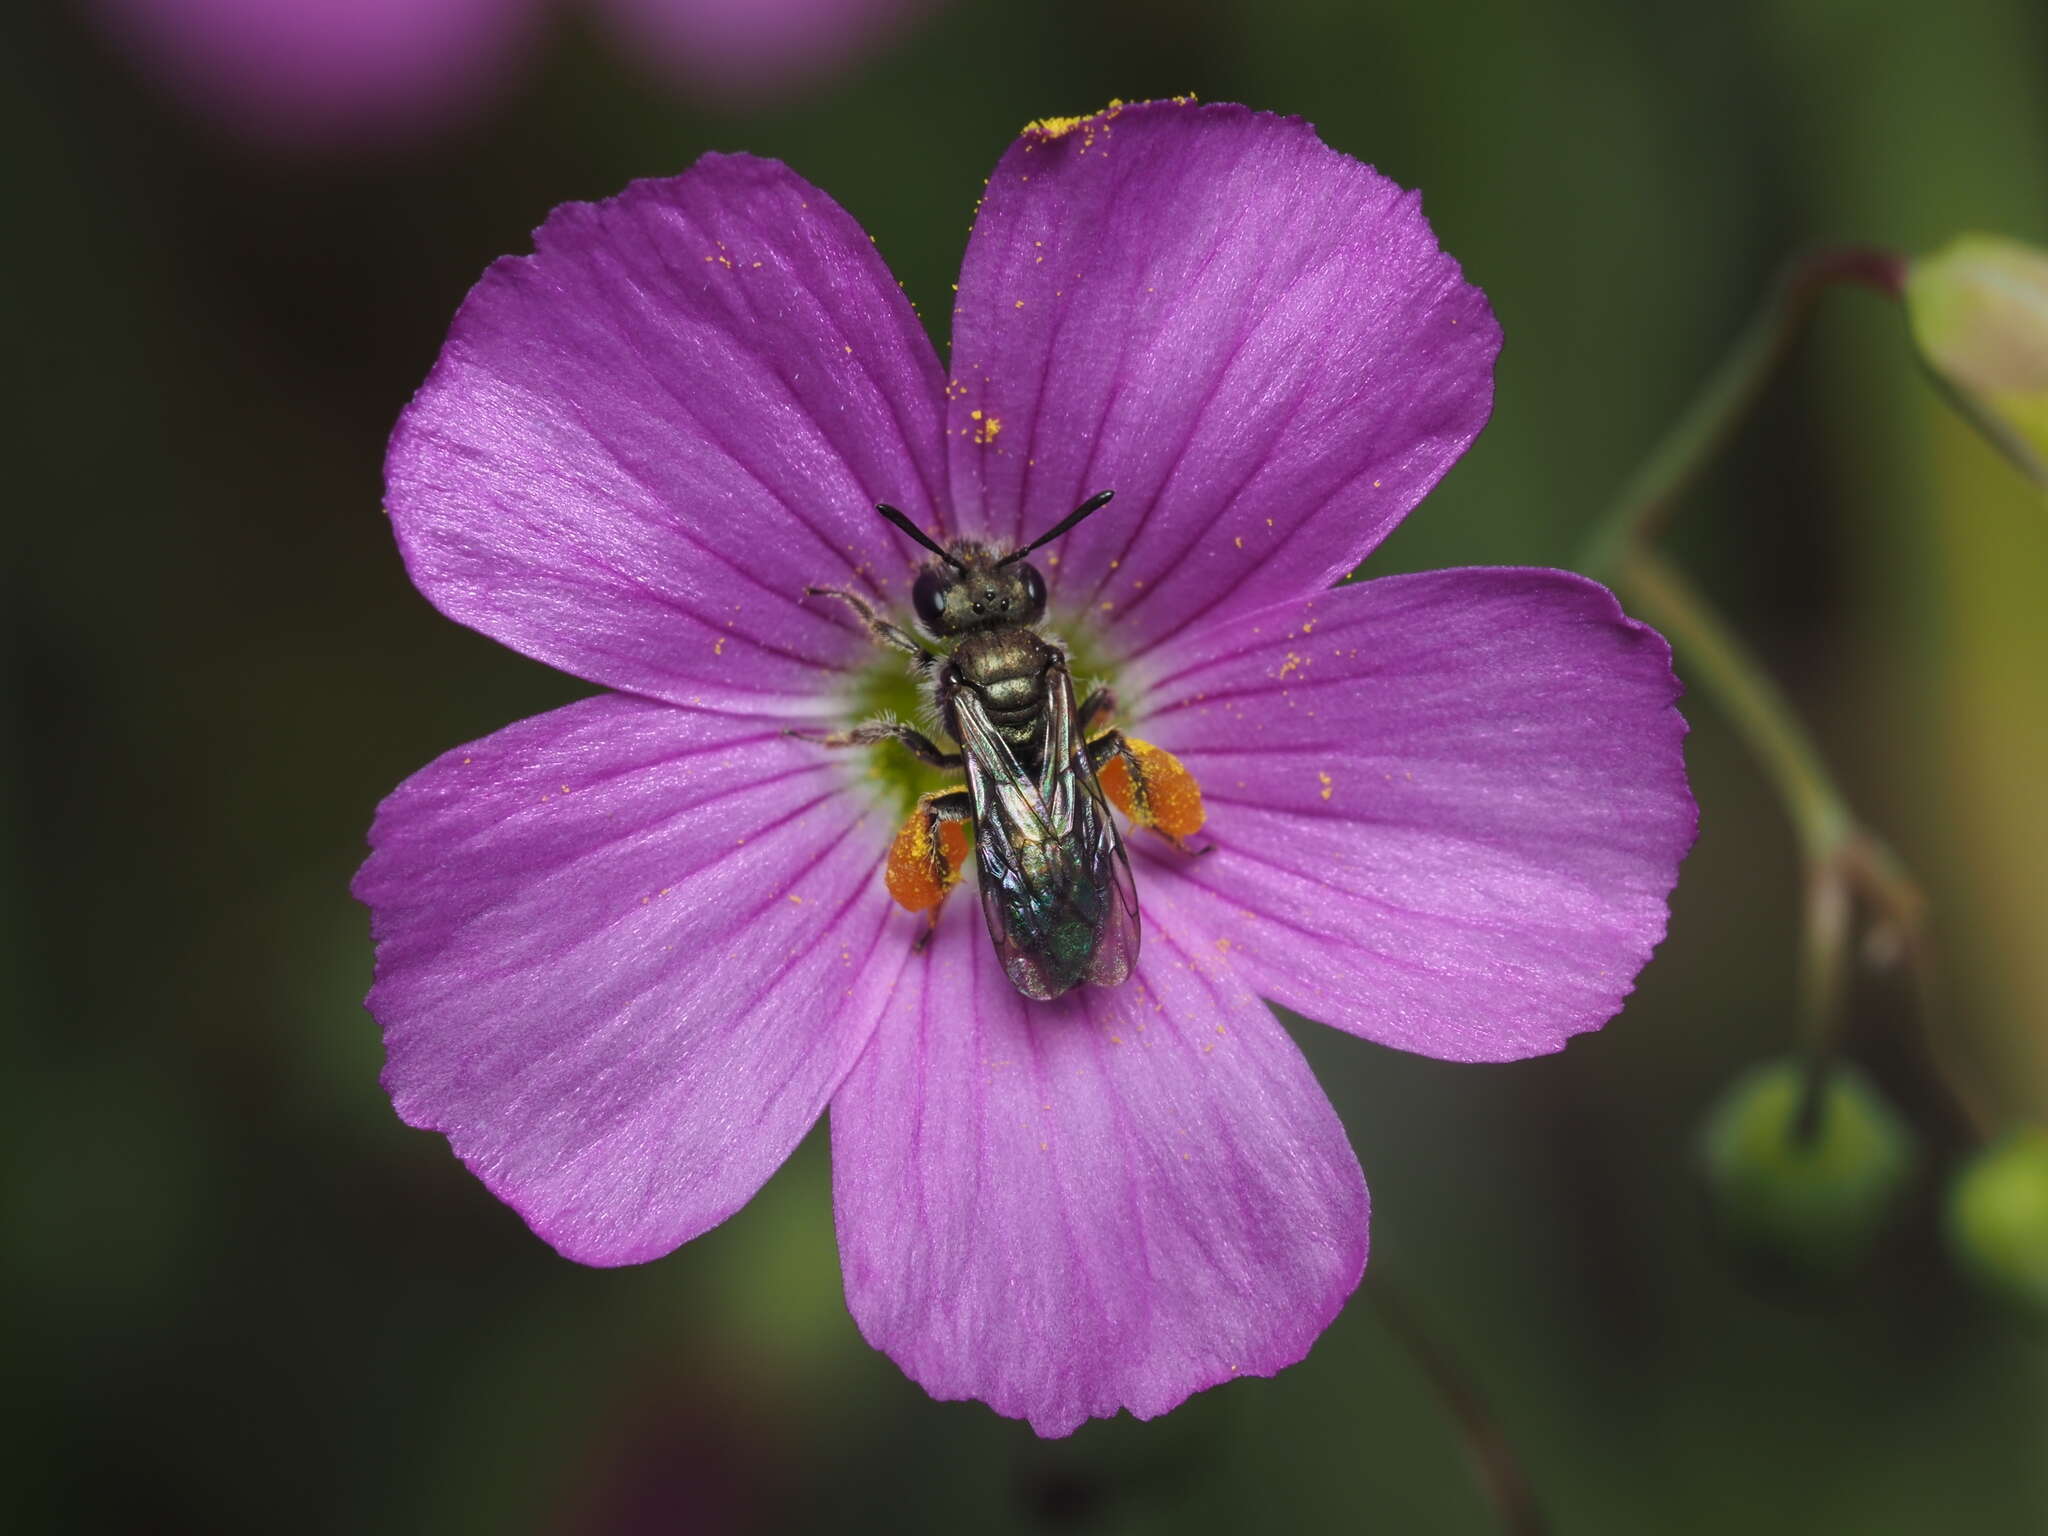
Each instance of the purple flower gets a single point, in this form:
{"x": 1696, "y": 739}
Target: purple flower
{"x": 629, "y": 951}
{"x": 342, "y": 71}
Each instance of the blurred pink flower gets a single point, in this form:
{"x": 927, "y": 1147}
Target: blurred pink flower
{"x": 339, "y": 72}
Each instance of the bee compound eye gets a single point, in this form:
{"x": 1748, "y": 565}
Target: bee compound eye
{"x": 1034, "y": 588}
{"x": 928, "y": 597}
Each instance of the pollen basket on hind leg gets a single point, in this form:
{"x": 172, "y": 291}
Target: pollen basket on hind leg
{"x": 1175, "y": 799}
{"x": 919, "y": 875}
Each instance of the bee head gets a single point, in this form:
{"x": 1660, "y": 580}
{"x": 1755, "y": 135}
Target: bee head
{"x": 971, "y": 586}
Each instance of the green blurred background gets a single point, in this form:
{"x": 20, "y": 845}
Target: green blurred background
{"x": 244, "y": 1298}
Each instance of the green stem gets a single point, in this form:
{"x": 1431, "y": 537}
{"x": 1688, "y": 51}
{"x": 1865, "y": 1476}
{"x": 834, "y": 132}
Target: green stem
{"x": 1823, "y": 988}
{"x": 1638, "y": 512}
{"x": 1844, "y": 861}
{"x": 1718, "y": 661}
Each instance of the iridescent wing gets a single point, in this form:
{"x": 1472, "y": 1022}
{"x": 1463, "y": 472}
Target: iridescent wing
{"x": 1056, "y": 886}
{"x": 1095, "y": 833}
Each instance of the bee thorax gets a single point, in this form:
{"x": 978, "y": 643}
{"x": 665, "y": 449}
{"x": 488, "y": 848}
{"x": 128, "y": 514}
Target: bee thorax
{"x": 1006, "y": 669}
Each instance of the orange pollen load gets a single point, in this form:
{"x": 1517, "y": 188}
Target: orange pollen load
{"x": 913, "y": 875}
{"x": 1176, "y": 798}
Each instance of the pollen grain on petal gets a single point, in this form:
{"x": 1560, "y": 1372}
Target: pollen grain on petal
{"x": 1090, "y": 126}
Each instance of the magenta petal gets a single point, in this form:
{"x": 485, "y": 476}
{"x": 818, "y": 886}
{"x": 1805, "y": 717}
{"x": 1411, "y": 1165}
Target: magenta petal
{"x": 623, "y": 959}
{"x": 1107, "y": 1202}
{"x": 1447, "y": 809}
{"x": 641, "y": 443}
{"x": 326, "y": 72}
{"x": 1252, "y": 339}
{"x": 752, "y": 48}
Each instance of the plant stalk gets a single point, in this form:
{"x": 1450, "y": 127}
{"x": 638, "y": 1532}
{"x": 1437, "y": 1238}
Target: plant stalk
{"x": 1499, "y": 1471}
{"x": 1844, "y": 862}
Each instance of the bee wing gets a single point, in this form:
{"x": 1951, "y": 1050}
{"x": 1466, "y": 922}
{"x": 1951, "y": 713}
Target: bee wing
{"x": 1020, "y": 854}
{"x": 1117, "y": 954}
{"x": 1095, "y": 836}
{"x": 1055, "y": 886}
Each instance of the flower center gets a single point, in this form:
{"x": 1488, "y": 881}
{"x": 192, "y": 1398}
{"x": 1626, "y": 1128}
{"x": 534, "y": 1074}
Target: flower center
{"x": 887, "y": 687}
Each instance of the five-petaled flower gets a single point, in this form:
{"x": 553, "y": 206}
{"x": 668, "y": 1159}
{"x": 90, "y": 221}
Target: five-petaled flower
{"x": 629, "y": 951}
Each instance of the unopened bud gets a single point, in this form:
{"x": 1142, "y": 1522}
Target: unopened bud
{"x": 1979, "y": 312}
{"x": 1998, "y": 1218}
{"x": 1815, "y": 1196}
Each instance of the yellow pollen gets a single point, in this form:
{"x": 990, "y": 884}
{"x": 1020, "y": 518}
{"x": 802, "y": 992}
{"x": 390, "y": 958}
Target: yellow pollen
{"x": 1176, "y": 799}
{"x": 1060, "y": 127}
{"x": 914, "y": 876}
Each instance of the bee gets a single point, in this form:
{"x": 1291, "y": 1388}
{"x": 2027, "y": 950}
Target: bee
{"x": 1055, "y": 880}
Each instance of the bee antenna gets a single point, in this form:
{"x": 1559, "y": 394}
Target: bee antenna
{"x": 1087, "y": 508}
{"x": 903, "y": 521}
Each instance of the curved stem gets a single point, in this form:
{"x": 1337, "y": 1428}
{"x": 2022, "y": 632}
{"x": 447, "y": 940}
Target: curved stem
{"x": 1499, "y": 1471}
{"x": 1844, "y": 861}
{"x": 1705, "y": 427}
{"x": 1717, "y": 659}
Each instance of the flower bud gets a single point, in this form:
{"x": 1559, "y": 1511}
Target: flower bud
{"x": 1998, "y": 1218}
{"x": 1979, "y": 313}
{"x": 1817, "y": 1201}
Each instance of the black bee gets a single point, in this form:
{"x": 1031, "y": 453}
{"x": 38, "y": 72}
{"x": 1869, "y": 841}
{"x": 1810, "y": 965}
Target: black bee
{"x": 1055, "y": 882}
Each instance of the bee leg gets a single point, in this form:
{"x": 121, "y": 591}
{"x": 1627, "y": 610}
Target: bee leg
{"x": 916, "y": 743}
{"x": 1150, "y": 786}
{"x": 883, "y": 631}
{"x": 1112, "y": 746}
{"x": 924, "y": 861}
{"x": 1097, "y": 709}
